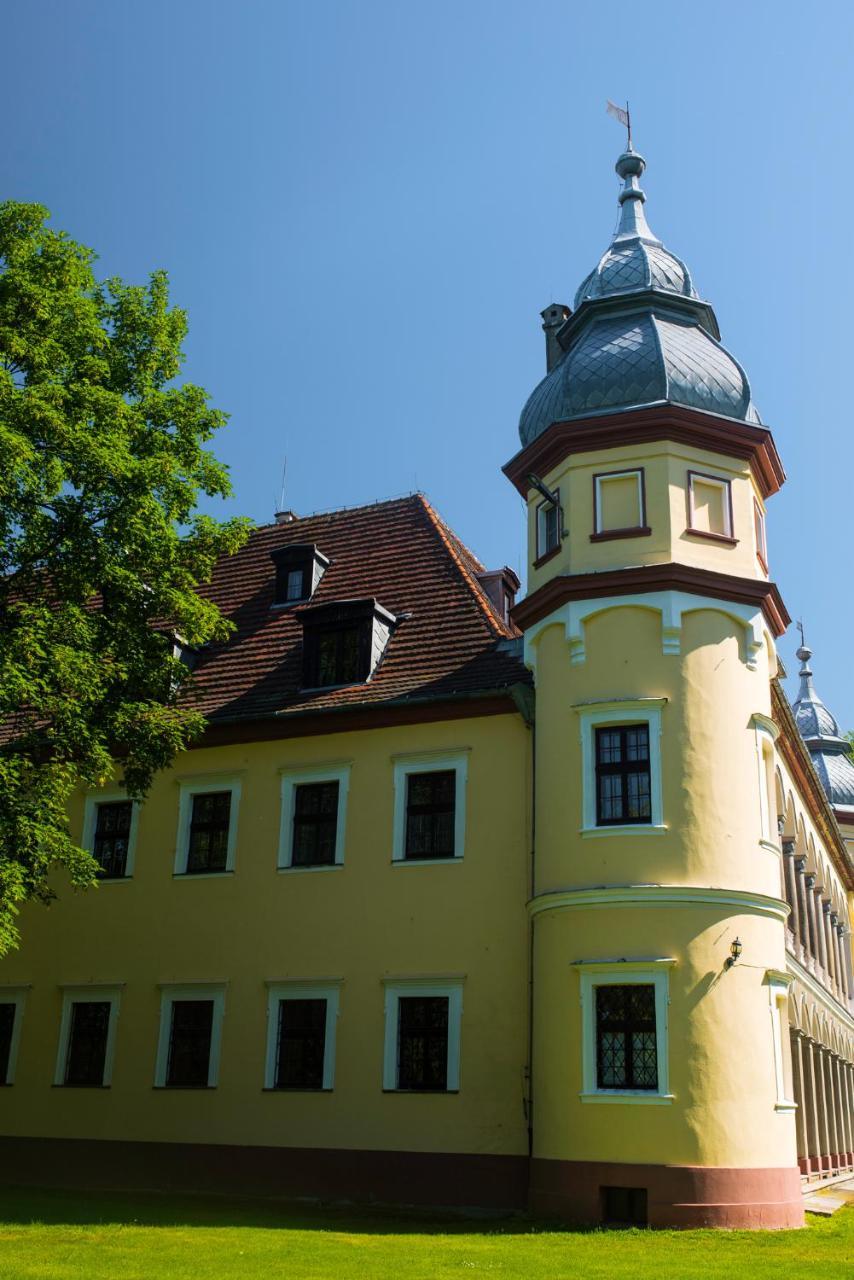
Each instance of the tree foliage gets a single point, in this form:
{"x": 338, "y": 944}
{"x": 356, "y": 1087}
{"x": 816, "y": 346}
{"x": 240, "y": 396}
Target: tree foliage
{"x": 102, "y": 462}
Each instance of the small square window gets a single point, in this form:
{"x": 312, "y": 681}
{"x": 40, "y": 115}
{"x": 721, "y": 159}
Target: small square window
{"x": 624, "y": 1206}
{"x": 549, "y": 519}
{"x": 430, "y": 814}
{"x": 112, "y": 837}
{"x": 709, "y": 506}
{"x": 207, "y": 847}
{"x": 619, "y": 507}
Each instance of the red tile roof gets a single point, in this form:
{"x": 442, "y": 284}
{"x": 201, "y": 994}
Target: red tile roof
{"x": 451, "y": 644}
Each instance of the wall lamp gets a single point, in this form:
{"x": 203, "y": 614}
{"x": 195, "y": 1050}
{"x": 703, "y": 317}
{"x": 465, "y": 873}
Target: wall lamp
{"x": 536, "y": 483}
{"x": 735, "y": 950}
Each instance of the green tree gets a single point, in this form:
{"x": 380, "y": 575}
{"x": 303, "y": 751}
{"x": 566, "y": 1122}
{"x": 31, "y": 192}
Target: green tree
{"x": 102, "y": 549}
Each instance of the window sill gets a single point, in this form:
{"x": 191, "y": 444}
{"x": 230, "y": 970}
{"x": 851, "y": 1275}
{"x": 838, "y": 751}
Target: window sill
{"x": 771, "y": 847}
{"x": 425, "y": 862}
{"x": 629, "y": 829}
{"x": 183, "y": 1088}
{"x": 546, "y": 557}
{"x": 323, "y": 866}
{"x": 421, "y": 1093}
{"x": 58, "y": 1085}
{"x": 786, "y": 1108}
{"x": 726, "y": 538}
{"x": 271, "y": 1088}
{"x": 114, "y": 879}
{"x": 631, "y": 1096}
{"x": 201, "y": 875}
{"x": 609, "y": 535}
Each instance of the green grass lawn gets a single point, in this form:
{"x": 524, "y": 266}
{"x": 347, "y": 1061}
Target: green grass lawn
{"x": 63, "y": 1236}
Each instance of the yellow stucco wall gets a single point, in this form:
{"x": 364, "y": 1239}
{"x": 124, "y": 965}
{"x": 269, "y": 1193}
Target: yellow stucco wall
{"x": 361, "y": 923}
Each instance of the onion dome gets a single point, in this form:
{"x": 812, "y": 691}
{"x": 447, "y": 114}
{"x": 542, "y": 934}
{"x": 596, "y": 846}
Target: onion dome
{"x": 820, "y": 731}
{"x": 640, "y": 334}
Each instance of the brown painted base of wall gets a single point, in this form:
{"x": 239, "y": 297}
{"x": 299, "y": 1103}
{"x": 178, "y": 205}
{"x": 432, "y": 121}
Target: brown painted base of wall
{"x": 571, "y": 1190}
{"x": 288, "y": 1173}
{"x": 677, "y": 1195}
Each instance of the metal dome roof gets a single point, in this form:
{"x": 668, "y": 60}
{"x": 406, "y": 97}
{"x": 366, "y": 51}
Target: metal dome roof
{"x": 819, "y": 729}
{"x": 640, "y": 334}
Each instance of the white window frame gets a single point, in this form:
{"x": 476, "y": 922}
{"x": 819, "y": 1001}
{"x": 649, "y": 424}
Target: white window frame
{"x": 542, "y": 507}
{"x": 778, "y": 996}
{"x": 605, "y": 476}
{"x": 190, "y": 787}
{"x": 452, "y": 988}
{"x": 296, "y": 776}
{"x": 714, "y": 482}
{"x": 90, "y": 823}
{"x": 600, "y": 715}
{"x": 761, "y": 535}
{"x": 302, "y": 990}
{"x": 169, "y": 995}
{"x": 18, "y": 997}
{"x": 654, "y": 973}
{"x": 92, "y": 994}
{"x": 429, "y": 762}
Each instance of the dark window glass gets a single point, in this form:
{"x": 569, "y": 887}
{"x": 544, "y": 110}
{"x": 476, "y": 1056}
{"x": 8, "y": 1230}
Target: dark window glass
{"x": 622, "y": 775}
{"x": 294, "y": 588}
{"x": 549, "y": 528}
{"x": 626, "y": 1055}
{"x": 301, "y": 1044}
{"x": 190, "y": 1043}
{"x": 422, "y": 1042}
{"x": 112, "y": 834}
{"x": 315, "y": 824}
{"x": 87, "y": 1042}
{"x": 7, "y": 1026}
{"x": 624, "y": 1206}
{"x": 339, "y": 656}
{"x": 430, "y": 814}
{"x": 208, "y": 843}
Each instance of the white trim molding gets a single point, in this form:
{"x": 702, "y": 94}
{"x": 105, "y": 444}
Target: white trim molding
{"x": 302, "y": 990}
{"x": 429, "y": 762}
{"x": 626, "y": 711}
{"x": 671, "y": 605}
{"x": 115, "y": 795}
{"x": 593, "y": 974}
{"x": 394, "y": 990}
{"x": 92, "y": 993}
{"x": 189, "y": 787}
{"x": 171, "y": 993}
{"x": 17, "y": 996}
{"x": 659, "y": 895}
{"x": 778, "y": 995}
{"x": 299, "y": 776}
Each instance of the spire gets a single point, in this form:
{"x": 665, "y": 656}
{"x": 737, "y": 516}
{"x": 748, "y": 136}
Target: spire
{"x": 806, "y": 692}
{"x": 817, "y": 724}
{"x": 633, "y": 224}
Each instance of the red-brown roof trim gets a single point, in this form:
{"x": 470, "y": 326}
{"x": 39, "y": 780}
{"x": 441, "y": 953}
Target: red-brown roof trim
{"x": 641, "y": 426}
{"x": 654, "y": 577}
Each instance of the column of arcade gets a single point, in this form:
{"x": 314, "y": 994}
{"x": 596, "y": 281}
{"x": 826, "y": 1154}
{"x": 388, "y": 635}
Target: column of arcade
{"x": 816, "y": 935}
{"x": 824, "y": 1093}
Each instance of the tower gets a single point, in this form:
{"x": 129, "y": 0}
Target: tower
{"x": 661, "y": 1074}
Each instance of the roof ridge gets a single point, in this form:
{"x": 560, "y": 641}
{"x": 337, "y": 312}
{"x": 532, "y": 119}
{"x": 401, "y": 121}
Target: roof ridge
{"x": 377, "y": 504}
{"x": 448, "y": 538}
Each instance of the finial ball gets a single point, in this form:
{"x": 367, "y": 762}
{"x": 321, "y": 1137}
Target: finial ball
{"x": 630, "y": 164}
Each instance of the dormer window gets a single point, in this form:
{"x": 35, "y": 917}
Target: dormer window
{"x": 343, "y": 642}
{"x": 299, "y": 568}
{"x": 501, "y": 586}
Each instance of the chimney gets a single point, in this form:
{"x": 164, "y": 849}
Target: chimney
{"x": 554, "y": 317}
{"x": 284, "y": 517}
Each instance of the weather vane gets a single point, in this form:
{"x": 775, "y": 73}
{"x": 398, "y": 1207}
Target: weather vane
{"x": 800, "y": 625}
{"x": 624, "y": 116}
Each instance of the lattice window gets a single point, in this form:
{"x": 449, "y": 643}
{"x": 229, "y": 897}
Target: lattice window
{"x": 422, "y": 1042}
{"x": 207, "y": 847}
{"x": 623, "y": 790}
{"x": 112, "y": 837}
{"x": 190, "y": 1033}
{"x": 87, "y": 1043}
{"x": 431, "y": 814}
{"x": 301, "y": 1044}
{"x": 626, "y": 1053}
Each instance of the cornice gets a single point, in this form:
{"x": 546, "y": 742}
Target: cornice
{"x": 793, "y": 750}
{"x": 658, "y": 895}
{"x": 725, "y": 436}
{"x": 654, "y": 577}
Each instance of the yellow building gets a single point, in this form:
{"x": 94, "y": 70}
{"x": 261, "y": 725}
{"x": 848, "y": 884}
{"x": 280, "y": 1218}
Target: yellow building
{"x": 462, "y": 901}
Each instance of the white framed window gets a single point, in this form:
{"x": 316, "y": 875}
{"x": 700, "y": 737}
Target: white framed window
{"x": 619, "y": 503}
{"x": 709, "y": 506}
{"x": 429, "y": 822}
{"x": 624, "y": 1037}
{"x": 110, "y": 823}
{"x": 313, "y": 817}
{"x": 302, "y": 1018}
{"x": 87, "y": 1036}
{"x": 12, "y": 1001}
{"x": 622, "y": 714}
{"x": 778, "y": 998}
{"x": 423, "y": 1021}
{"x": 759, "y": 528}
{"x": 207, "y": 825}
{"x": 549, "y": 520}
{"x": 190, "y": 1040}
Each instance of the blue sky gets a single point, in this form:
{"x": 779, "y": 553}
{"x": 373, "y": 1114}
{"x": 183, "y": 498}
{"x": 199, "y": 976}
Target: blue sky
{"x": 364, "y": 206}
